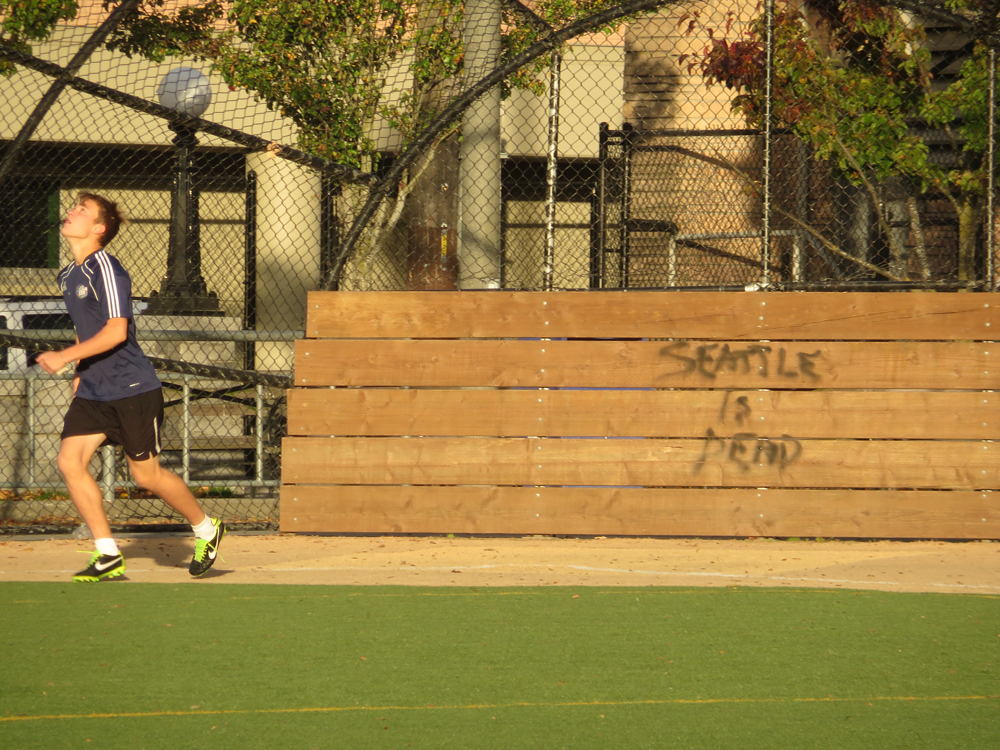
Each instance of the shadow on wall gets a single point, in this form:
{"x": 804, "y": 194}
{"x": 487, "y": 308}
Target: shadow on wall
{"x": 652, "y": 84}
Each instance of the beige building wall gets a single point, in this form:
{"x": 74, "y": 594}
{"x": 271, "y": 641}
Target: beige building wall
{"x": 662, "y": 90}
{"x": 81, "y": 118}
{"x": 591, "y": 92}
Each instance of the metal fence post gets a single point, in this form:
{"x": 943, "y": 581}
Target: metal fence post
{"x": 108, "y": 471}
{"x": 628, "y": 144}
{"x": 800, "y": 240}
{"x": 551, "y": 172}
{"x": 259, "y": 464}
{"x": 250, "y": 270}
{"x": 993, "y": 252}
{"x": 30, "y": 393}
{"x": 186, "y": 432}
{"x": 768, "y": 135}
{"x": 600, "y": 229}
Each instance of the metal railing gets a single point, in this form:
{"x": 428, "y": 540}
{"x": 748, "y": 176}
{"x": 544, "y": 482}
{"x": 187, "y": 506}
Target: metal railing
{"x": 220, "y": 435}
{"x": 109, "y": 468}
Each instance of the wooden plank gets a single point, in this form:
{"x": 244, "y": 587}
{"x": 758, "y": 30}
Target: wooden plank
{"x": 642, "y": 512}
{"x": 569, "y": 413}
{"x": 212, "y": 443}
{"x": 747, "y": 461}
{"x": 639, "y": 364}
{"x": 883, "y": 316}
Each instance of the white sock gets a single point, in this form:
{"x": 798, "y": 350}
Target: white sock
{"x": 205, "y": 529}
{"x": 106, "y": 546}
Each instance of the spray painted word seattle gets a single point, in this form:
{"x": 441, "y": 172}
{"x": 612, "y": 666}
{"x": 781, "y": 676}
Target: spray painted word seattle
{"x": 708, "y": 360}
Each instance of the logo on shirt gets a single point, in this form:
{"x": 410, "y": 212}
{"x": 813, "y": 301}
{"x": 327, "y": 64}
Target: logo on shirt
{"x": 81, "y": 291}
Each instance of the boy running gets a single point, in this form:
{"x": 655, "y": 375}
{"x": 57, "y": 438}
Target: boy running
{"x": 117, "y": 398}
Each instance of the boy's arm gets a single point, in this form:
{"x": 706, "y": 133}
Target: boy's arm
{"x": 76, "y": 382}
{"x": 76, "y": 373}
{"x": 115, "y": 331}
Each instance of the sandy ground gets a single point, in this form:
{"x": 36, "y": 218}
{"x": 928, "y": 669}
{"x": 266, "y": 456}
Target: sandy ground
{"x": 946, "y": 567}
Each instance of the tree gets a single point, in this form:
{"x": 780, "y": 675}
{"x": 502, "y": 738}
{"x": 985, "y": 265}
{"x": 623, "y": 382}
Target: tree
{"x": 858, "y": 98}
{"x": 22, "y": 23}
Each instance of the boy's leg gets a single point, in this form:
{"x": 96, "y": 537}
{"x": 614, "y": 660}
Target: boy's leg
{"x": 151, "y": 475}
{"x": 74, "y": 464}
{"x": 73, "y": 461}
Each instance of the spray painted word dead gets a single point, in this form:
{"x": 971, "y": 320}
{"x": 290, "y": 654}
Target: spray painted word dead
{"x": 746, "y": 449}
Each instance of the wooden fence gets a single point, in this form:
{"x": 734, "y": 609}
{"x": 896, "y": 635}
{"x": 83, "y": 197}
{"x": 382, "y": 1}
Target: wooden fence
{"x": 646, "y": 413}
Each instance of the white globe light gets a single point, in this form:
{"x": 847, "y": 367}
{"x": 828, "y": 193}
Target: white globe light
{"x": 185, "y": 89}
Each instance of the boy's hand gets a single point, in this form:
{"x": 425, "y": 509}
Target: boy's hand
{"x": 53, "y": 362}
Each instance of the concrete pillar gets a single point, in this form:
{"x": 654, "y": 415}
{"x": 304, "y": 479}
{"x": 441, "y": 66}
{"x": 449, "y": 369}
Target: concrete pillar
{"x": 288, "y": 250}
{"x": 479, "y": 233}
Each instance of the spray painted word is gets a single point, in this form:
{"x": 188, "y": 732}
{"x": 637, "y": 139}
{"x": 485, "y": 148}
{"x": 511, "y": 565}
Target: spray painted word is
{"x": 709, "y": 360}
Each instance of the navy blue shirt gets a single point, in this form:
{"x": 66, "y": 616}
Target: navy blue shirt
{"x": 96, "y": 291}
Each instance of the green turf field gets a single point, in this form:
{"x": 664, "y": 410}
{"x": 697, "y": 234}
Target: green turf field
{"x": 127, "y": 665}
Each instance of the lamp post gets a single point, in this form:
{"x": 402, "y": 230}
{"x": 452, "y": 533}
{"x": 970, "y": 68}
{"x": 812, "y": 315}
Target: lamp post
{"x": 183, "y": 290}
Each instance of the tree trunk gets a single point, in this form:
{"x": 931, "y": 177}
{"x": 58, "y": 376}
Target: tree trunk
{"x": 430, "y": 213}
{"x": 431, "y": 216}
{"x": 968, "y": 226}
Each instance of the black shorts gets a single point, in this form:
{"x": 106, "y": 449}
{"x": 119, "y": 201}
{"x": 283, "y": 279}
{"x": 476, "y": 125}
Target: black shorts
{"x": 133, "y": 423}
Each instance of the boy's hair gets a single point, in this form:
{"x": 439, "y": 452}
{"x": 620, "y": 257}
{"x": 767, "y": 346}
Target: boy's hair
{"x": 108, "y": 215}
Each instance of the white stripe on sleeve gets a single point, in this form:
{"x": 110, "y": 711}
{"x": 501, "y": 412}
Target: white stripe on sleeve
{"x": 110, "y": 284}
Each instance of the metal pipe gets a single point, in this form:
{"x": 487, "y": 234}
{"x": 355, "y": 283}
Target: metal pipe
{"x": 259, "y": 467}
{"x": 168, "y": 365}
{"x": 672, "y": 261}
{"x": 130, "y": 483}
{"x": 678, "y": 132}
{"x": 765, "y": 245}
{"x": 551, "y": 172}
{"x": 597, "y": 261}
{"x": 186, "y": 433}
{"x": 108, "y": 471}
{"x": 30, "y": 393}
{"x": 250, "y": 273}
{"x": 33, "y": 376}
{"x": 993, "y": 253}
{"x": 734, "y": 235}
{"x": 801, "y": 209}
{"x": 58, "y": 334}
{"x": 628, "y": 145}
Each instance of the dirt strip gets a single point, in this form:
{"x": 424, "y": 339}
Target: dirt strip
{"x": 946, "y": 567}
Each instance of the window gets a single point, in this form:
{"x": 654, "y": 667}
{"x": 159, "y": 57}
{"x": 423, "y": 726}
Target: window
{"x": 29, "y": 218}
{"x": 44, "y": 322}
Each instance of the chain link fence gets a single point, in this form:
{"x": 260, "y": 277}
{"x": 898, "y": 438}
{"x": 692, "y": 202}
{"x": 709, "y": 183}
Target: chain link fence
{"x": 476, "y": 145}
